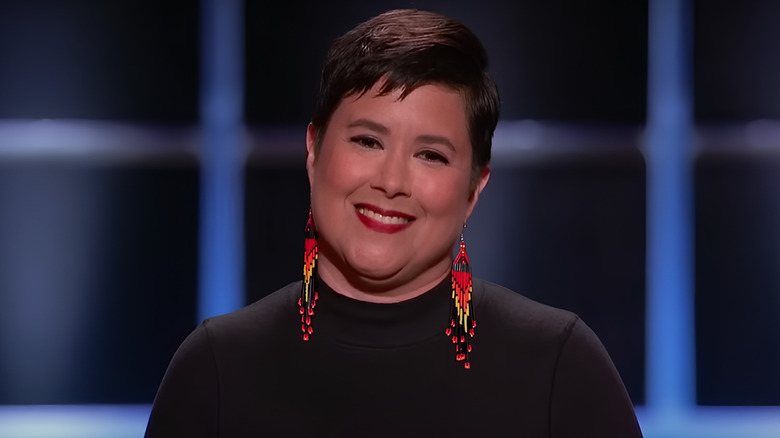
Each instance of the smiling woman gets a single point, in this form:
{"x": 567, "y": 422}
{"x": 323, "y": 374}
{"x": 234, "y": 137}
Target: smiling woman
{"x": 390, "y": 191}
{"x": 377, "y": 339}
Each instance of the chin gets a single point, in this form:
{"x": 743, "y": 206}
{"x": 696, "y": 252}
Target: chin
{"x": 376, "y": 272}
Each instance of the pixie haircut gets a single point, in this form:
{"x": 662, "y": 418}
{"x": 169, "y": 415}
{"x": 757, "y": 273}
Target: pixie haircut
{"x": 407, "y": 49}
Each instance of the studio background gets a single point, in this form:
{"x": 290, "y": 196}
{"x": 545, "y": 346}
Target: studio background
{"x": 107, "y": 133}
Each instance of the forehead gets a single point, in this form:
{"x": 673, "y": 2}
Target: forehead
{"x": 432, "y": 107}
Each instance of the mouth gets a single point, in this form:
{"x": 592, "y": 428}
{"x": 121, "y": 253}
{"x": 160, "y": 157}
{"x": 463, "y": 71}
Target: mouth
{"x": 383, "y": 220}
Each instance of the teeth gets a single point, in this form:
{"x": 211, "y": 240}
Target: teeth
{"x": 391, "y": 220}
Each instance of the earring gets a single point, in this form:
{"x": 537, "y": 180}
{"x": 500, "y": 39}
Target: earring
{"x": 308, "y": 299}
{"x": 462, "y": 320}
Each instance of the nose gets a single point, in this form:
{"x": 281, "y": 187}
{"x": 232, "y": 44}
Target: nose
{"x": 393, "y": 177}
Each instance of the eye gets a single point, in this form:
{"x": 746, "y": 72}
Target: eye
{"x": 433, "y": 156}
{"x": 365, "y": 142}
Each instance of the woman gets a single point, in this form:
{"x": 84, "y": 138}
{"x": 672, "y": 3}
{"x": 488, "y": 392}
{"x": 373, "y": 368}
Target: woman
{"x": 380, "y": 338}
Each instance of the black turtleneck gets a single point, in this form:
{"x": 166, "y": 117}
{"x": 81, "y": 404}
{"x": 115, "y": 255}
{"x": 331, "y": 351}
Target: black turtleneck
{"x": 357, "y": 323}
{"x": 383, "y": 370}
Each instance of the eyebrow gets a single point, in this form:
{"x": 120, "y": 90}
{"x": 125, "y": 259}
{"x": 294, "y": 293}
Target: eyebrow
{"x": 370, "y": 124}
{"x": 436, "y": 139}
{"x": 384, "y": 130}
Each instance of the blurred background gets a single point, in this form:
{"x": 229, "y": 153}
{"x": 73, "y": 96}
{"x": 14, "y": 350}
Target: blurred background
{"x": 152, "y": 174}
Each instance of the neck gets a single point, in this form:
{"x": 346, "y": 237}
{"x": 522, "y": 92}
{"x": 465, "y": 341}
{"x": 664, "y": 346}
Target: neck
{"x": 385, "y": 290}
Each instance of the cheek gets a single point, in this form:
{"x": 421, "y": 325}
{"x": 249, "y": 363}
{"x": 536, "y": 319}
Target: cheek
{"x": 446, "y": 195}
{"x": 337, "y": 175}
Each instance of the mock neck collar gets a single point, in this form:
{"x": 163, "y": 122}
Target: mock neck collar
{"x": 349, "y": 321}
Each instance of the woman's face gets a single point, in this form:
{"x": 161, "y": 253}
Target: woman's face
{"x": 390, "y": 191}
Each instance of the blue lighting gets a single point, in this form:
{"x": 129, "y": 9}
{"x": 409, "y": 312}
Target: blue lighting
{"x": 670, "y": 339}
{"x": 713, "y": 422}
{"x": 71, "y": 421}
{"x": 222, "y": 88}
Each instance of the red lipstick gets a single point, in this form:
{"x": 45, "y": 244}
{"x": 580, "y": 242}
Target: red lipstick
{"x": 379, "y": 226}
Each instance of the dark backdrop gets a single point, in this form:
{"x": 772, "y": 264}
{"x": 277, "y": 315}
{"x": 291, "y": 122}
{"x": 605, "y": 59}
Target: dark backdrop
{"x": 98, "y": 259}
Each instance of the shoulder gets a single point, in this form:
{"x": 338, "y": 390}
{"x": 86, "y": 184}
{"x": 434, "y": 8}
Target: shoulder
{"x": 258, "y": 318}
{"x": 187, "y": 403}
{"x": 512, "y": 312}
{"x": 520, "y": 320}
{"x": 587, "y": 397}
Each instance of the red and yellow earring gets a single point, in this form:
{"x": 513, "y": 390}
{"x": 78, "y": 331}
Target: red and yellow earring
{"x": 308, "y": 299}
{"x": 462, "y": 322}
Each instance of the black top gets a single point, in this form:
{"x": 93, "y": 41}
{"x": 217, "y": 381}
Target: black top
{"x": 388, "y": 370}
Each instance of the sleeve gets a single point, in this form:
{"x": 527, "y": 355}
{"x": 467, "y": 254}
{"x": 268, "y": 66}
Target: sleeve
{"x": 187, "y": 400}
{"x": 588, "y": 397}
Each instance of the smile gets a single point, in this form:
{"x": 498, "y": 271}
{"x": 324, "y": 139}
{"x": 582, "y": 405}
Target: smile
{"x": 385, "y": 219}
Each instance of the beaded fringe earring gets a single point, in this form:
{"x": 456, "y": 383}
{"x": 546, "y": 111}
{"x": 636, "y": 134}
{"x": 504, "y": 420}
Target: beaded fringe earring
{"x": 462, "y": 320}
{"x": 308, "y": 299}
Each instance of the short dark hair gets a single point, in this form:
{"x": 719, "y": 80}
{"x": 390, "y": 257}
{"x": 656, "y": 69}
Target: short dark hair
{"x": 409, "y": 48}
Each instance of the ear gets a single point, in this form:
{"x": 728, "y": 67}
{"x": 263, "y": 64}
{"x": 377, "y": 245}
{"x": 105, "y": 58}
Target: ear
{"x": 484, "y": 177}
{"x": 311, "y": 140}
